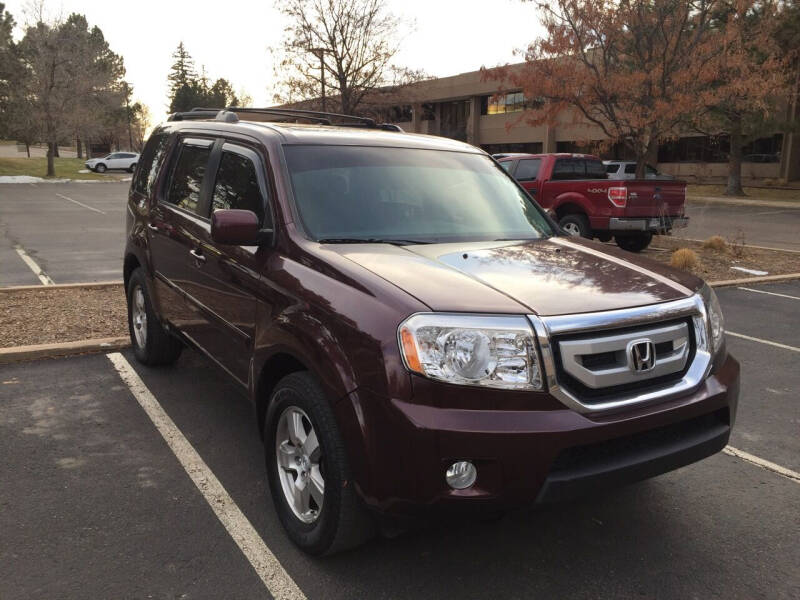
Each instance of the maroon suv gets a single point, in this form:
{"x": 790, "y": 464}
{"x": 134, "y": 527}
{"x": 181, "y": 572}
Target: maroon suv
{"x": 416, "y": 335}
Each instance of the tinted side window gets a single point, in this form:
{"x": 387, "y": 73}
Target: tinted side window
{"x": 595, "y": 169}
{"x": 528, "y": 169}
{"x": 612, "y": 168}
{"x": 237, "y": 186}
{"x": 568, "y": 168}
{"x": 184, "y": 189}
{"x": 507, "y": 165}
{"x": 630, "y": 169}
{"x": 149, "y": 163}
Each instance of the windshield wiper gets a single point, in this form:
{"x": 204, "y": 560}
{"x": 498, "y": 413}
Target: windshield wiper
{"x": 396, "y": 242}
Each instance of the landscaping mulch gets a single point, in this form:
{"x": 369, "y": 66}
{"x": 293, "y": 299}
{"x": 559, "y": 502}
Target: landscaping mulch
{"x": 44, "y": 316}
{"x": 716, "y": 265}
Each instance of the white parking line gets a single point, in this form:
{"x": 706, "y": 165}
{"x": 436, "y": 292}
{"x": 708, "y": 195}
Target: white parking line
{"x": 760, "y": 341}
{"x": 81, "y": 204}
{"x": 764, "y": 464}
{"x": 277, "y": 581}
{"x": 770, "y": 293}
{"x": 37, "y": 270}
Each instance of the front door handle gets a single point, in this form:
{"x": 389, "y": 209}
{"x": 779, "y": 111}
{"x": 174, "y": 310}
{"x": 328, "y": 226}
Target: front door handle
{"x": 152, "y": 227}
{"x": 197, "y": 256}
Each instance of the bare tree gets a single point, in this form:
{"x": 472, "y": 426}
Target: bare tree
{"x": 347, "y": 45}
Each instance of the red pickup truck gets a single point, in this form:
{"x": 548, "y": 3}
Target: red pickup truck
{"x": 586, "y": 203}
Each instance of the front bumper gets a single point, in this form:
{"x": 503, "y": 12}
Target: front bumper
{"x": 654, "y": 224}
{"x": 524, "y": 456}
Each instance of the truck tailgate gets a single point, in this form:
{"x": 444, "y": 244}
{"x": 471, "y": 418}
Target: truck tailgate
{"x": 649, "y": 198}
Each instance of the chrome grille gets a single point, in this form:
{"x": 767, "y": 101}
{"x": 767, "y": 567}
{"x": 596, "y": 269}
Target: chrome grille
{"x": 679, "y": 338}
{"x": 605, "y": 360}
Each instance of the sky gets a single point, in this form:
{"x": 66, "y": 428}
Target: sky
{"x": 447, "y": 37}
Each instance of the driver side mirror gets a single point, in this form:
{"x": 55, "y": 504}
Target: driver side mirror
{"x": 237, "y": 227}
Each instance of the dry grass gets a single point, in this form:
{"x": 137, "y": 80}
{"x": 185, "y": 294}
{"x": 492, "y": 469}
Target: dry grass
{"x": 684, "y": 258}
{"x": 716, "y": 243}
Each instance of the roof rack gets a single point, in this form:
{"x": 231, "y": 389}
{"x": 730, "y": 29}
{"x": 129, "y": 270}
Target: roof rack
{"x": 229, "y": 115}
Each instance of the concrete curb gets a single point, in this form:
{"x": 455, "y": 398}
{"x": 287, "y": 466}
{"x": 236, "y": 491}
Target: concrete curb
{"x": 743, "y": 202}
{"x": 25, "y": 353}
{"x": 61, "y": 286}
{"x": 750, "y": 280}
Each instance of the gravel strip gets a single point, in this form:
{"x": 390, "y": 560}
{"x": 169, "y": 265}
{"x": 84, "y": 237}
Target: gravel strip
{"x": 43, "y": 316}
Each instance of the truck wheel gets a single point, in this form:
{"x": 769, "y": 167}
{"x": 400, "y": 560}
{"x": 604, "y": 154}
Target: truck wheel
{"x": 151, "y": 344}
{"x": 576, "y": 224}
{"x": 308, "y": 471}
{"x": 634, "y": 242}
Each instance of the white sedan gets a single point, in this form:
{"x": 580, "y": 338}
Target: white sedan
{"x": 116, "y": 160}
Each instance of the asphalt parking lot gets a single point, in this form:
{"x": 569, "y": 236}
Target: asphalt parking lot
{"x": 759, "y": 225}
{"x": 95, "y": 504}
{"x": 74, "y": 232}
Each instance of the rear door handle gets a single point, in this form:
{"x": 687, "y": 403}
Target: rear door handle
{"x": 152, "y": 227}
{"x": 197, "y": 256}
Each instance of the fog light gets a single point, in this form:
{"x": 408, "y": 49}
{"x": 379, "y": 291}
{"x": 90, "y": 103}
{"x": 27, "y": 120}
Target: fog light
{"x": 461, "y": 475}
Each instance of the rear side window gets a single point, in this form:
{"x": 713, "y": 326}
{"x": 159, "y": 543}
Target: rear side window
{"x": 612, "y": 168}
{"x": 187, "y": 179}
{"x": 568, "y": 168}
{"x": 528, "y": 169}
{"x": 507, "y": 165}
{"x": 595, "y": 169}
{"x": 630, "y": 168}
{"x": 149, "y": 163}
{"x": 237, "y": 186}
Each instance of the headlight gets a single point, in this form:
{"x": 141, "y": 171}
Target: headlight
{"x": 491, "y": 351}
{"x": 716, "y": 324}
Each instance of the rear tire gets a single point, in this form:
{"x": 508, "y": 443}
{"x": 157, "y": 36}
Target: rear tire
{"x": 576, "y": 224}
{"x": 319, "y": 523}
{"x": 101, "y": 168}
{"x": 634, "y": 242}
{"x": 132, "y": 168}
{"x": 151, "y": 344}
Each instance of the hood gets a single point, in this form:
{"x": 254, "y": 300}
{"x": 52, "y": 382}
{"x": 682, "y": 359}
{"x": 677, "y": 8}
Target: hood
{"x": 546, "y": 277}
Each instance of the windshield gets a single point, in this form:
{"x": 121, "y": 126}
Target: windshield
{"x": 354, "y": 193}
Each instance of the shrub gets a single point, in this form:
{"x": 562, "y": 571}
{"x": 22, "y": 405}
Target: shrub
{"x": 683, "y": 258}
{"x": 716, "y": 243}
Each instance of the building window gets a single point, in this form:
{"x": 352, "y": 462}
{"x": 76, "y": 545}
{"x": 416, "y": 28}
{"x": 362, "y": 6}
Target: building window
{"x": 527, "y": 148}
{"x": 428, "y": 112}
{"x": 505, "y": 103}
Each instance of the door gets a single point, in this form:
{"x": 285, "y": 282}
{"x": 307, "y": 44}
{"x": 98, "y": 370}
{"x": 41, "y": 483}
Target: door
{"x": 177, "y": 223}
{"x": 230, "y": 275}
{"x": 114, "y": 161}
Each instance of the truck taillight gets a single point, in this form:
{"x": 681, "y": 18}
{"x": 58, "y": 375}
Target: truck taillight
{"x": 618, "y": 196}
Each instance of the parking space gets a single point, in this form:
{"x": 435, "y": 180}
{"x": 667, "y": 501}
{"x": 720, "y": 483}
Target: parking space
{"x": 71, "y": 232}
{"x": 95, "y": 504}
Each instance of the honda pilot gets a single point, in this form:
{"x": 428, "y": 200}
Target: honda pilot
{"x": 416, "y": 335}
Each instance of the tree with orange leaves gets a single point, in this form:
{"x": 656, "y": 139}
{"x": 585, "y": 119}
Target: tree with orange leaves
{"x": 641, "y": 70}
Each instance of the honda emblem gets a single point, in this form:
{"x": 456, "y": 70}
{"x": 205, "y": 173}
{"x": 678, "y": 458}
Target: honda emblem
{"x": 641, "y": 356}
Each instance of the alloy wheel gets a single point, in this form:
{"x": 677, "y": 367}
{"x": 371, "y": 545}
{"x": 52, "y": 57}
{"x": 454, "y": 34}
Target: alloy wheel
{"x": 139, "y": 316}
{"x": 299, "y": 458}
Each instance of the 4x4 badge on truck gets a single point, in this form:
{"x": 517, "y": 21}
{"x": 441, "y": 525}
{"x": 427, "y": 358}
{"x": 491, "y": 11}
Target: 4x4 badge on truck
{"x": 641, "y": 356}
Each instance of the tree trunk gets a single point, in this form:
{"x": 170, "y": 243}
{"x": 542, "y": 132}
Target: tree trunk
{"x": 28, "y": 149}
{"x": 55, "y": 150}
{"x": 734, "y": 187}
{"x": 79, "y": 147}
{"x": 641, "y": 161}
{"x": 51, "y": 169}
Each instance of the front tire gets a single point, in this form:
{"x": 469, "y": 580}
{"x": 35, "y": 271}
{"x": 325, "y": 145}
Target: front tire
{"x": 634, "y": 242}
{"x": 101, "y": 168}
{"x": 307, "y": 467}
{"x": 576, "y": 224}
{"x": 151, "y": 344}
